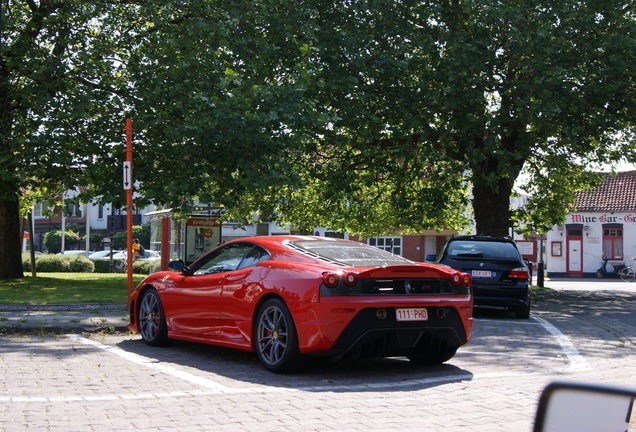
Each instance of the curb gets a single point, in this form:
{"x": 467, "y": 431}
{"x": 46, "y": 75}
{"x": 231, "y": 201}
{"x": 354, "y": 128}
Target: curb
{"x": 82, "y": 318}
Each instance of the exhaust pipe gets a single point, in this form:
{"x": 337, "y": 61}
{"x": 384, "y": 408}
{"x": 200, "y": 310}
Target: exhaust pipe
{"x": 441, "y": 313}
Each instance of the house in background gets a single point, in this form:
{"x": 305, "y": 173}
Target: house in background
{"x": 602, "y": 224}
{"x": 96, "y": 218}
{"x": 107, "y": 220}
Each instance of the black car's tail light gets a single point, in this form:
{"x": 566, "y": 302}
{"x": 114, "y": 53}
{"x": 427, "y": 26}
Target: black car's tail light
{"x": 518, "y": 273}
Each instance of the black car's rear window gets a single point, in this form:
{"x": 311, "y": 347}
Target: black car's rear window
{"x": 482, "y": 249}
{"x": 349, "y": 253}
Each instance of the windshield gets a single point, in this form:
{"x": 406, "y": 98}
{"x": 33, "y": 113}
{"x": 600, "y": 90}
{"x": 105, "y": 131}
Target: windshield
{"x": 483, "y": 250}
{"x": 350, "y": 253}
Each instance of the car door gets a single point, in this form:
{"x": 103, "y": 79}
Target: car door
{"x": 195, "y": 301}
{"x": 241, "y": 290}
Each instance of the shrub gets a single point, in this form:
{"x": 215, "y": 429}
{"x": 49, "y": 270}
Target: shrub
{"x": 81, "y": 264}
{"x": 102, "y": 265}
{"x": 48, "y": 263}
{"x": 53, "y": 240}
{"x": 146, "y": 266}
{"x": 26, "y": 262}
{"x": 53, "y": 263}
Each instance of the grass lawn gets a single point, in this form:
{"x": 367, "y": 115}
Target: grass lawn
{"x": 66, "y": 288}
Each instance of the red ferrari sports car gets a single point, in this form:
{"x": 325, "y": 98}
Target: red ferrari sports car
{"x": 288, "y": 297}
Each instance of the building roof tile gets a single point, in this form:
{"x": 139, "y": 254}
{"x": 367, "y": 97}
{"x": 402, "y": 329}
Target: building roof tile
{"x": 614, "y": 193}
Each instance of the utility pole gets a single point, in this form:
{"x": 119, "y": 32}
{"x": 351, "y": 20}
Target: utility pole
{"x": 128, "y": 182}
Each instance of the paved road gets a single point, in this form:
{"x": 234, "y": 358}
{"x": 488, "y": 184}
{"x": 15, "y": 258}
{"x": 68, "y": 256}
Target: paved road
{"x": 103, "y": 382}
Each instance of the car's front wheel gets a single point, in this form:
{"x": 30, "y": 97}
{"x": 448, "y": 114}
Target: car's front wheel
{"x": 276, "y": 340}
{"x": 151, "y": 319}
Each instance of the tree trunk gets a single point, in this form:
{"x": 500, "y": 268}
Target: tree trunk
{"x": 10, "y": 237}
{"x": 492, "y": 209}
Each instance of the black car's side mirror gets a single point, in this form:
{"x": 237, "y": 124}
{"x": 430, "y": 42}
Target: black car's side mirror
{"x": 583, "y": 407}
{"x": 431, "y": 257}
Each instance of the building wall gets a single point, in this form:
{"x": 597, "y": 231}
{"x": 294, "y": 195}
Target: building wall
{"x": 576, "y": 248}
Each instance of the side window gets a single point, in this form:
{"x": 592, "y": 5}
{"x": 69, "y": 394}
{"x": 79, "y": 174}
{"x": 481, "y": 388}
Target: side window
{"x": 256, "y": 255}
{"x": 225, "y": 259}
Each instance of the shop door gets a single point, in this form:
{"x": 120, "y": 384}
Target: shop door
{"x": 575, "y": 252}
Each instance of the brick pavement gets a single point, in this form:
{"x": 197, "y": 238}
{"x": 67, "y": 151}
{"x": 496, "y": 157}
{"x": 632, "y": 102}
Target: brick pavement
{"x": 104, "y": 382}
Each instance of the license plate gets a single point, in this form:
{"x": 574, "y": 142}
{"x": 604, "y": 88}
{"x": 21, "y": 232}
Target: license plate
{"x": 419, "y": 314}
{"x": 482, "y": 273}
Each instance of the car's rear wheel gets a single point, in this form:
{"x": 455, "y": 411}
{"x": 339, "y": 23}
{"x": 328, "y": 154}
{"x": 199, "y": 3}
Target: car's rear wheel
{"x": 276, "y": 340}
{"x": 151, "y": 319}
{"x": 523, "y": 312}
{"x": 434, "y": 358}
{"x": 433, "y": 350}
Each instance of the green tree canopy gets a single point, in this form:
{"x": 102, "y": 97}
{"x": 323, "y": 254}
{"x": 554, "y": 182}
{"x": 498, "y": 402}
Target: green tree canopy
{"x": 362, "y": 116}
{"x": 53, "y": 240}
{"x": 482, "y": 91}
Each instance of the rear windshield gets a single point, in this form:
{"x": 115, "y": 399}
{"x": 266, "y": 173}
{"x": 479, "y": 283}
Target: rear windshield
{"x": 482, "y": 249}
{"x": 349, "y": 253}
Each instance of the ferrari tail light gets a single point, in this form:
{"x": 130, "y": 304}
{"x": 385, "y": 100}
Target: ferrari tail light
{"x": 519, "y": 273}
{"x": 461, "y": 278}
{"x": 456, "y": 278}
{"x": 330, "y": 279}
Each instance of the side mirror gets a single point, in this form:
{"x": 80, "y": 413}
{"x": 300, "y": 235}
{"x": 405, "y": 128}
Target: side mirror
{"x": 431, "y": 257}
{"x": 582, "y": 407}
{"x": 177, "y": 265}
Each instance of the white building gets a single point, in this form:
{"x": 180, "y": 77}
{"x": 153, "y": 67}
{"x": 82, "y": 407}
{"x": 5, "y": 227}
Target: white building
{"x": 602, "y": 224}
{"x": 93, "y": 218}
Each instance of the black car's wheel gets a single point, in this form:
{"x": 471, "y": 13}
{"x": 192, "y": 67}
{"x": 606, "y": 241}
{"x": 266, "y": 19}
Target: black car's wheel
{"x": 276, "y": 340}
{"x": 151, "y": 319}
{"x": 523, "y": 312}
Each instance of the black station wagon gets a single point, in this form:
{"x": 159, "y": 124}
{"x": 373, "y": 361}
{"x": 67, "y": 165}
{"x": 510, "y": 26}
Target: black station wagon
{"x": 500, "y": 275}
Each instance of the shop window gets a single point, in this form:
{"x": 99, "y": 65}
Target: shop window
{"x": 613, "y": 242}
{"x": 389, "y": 244}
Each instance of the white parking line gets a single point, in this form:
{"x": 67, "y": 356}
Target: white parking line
{"x": 144, "y": 361}
{"x": 577, "y": 361}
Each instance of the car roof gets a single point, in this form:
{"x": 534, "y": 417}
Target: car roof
{"x": 282, "y": 239}
{"x": 482, "y": 238}
{"x": 283, "y": 246}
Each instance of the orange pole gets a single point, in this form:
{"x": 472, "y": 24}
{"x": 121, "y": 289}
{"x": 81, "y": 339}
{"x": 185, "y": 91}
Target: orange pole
{"x": 129, "y": 206}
